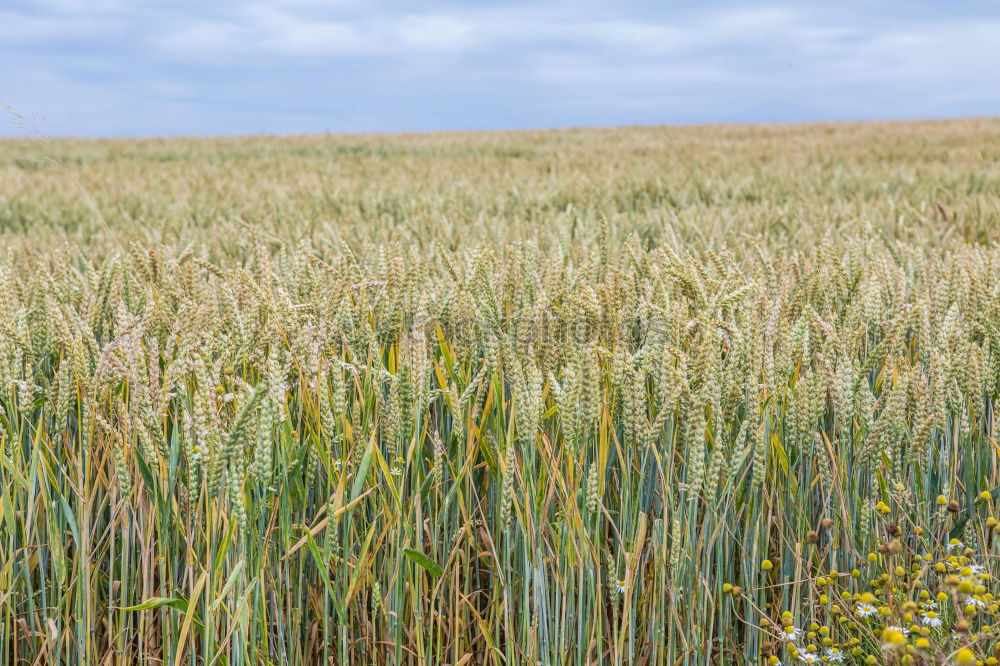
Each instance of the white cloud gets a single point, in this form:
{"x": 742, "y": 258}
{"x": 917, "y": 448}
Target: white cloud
{"x": 923, "y": 53}
{"x": 275, "y": 30}
{"x": 435, "y": 33}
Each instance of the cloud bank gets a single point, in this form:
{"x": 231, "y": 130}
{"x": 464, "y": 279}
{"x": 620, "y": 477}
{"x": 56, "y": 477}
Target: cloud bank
{"x": 111, "y": 67}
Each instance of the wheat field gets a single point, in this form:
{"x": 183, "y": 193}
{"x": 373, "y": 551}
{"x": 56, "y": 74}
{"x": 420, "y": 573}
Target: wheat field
{"x": 649, "y": 395}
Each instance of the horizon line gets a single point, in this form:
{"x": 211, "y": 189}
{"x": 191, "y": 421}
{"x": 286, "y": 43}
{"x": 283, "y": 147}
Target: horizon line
{"x": 500, "y": 130}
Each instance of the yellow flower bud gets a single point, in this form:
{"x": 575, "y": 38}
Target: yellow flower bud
{"x": 965, "y": 656}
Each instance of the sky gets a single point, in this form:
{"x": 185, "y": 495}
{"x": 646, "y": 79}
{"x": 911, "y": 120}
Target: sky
{"x": 191, "y": 67}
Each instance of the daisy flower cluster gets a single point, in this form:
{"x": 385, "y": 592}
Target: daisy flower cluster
{"x": 922, "y": 595}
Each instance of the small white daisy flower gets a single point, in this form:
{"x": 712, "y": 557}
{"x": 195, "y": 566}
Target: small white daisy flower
{"x": 792, "y": 633}
{"x": 834, "y": 656}
{"x": 866, "y": 610}
{"x": 902, "y": 630}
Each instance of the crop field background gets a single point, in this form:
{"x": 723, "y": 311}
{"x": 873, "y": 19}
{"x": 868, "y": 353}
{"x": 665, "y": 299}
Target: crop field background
{"x": 677, "y": 395}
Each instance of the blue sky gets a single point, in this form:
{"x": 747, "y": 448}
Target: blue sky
{"x": 129, "y": 67}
